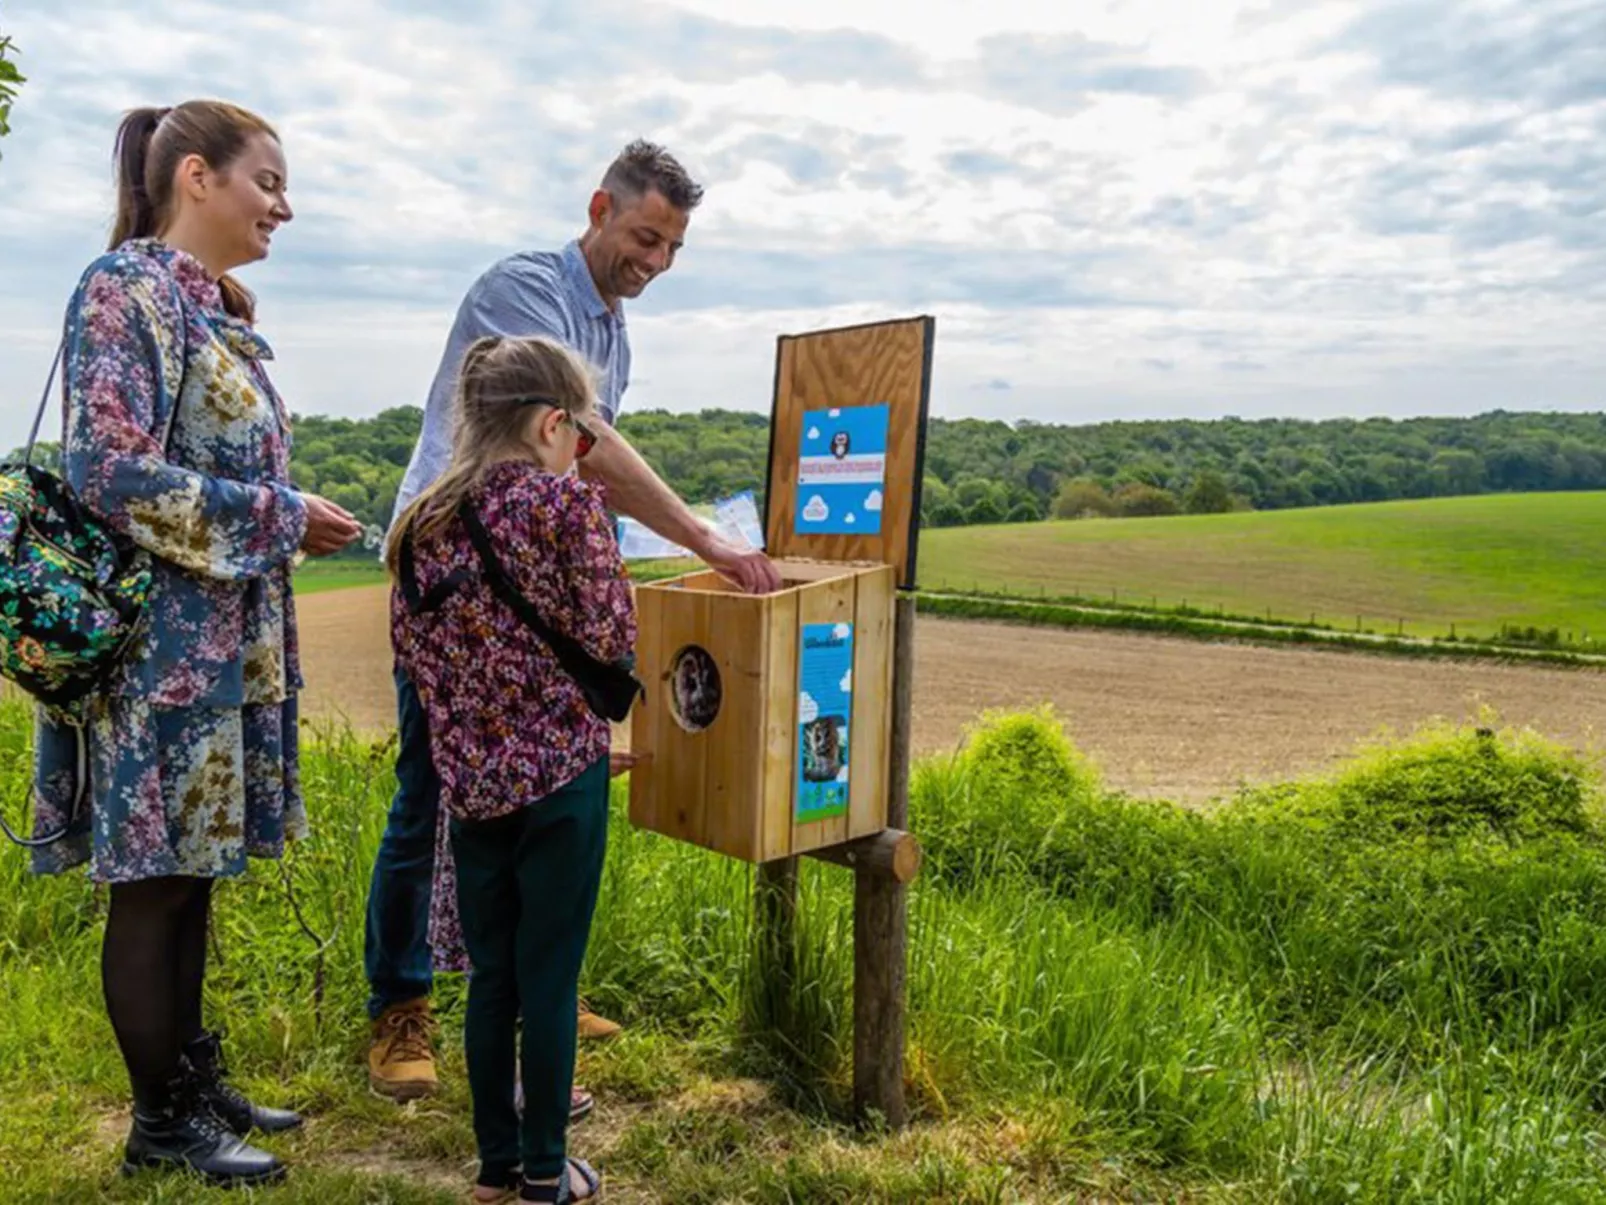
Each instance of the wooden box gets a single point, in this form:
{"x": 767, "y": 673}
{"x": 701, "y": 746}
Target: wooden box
{"x": 745, "y": 759}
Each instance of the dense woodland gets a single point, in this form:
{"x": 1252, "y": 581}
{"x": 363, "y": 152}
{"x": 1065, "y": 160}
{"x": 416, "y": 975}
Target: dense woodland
{"x": 988, "y": 471}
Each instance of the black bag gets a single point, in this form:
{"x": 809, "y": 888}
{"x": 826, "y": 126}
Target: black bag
{"x": 610, "y": 687}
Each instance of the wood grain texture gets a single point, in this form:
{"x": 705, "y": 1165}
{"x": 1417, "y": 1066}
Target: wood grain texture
{"x": 872, "y": 702}
{"x": 853, "y": 366}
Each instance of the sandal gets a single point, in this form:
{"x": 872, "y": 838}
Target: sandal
{"x": 560, "y": 1193}
{"x": 506, "y": 1191}
{"x": 581, "y": 1102}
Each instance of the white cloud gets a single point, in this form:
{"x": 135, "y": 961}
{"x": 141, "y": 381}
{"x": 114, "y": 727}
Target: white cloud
{"x": 842, "y": 631}
{"x": 874, "y": 501}
{"x": 847, "y": 682}
{"x": 814, "y": 433}
{"x": 850, "y": 517}
{"x": 807, "y": 709}
{"x": 1117, "y": 211}
{"x": 815, "y": 510}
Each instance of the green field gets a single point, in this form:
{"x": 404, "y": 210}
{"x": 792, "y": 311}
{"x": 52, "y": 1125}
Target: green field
{"x": 1385, "y": 986}
{"x": 1476, "y": 563}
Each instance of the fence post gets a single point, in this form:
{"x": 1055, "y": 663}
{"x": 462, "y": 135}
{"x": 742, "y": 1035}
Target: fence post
{"x": 881, "y": 922}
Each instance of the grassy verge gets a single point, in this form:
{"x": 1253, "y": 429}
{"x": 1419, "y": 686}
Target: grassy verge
{"x": 1387, "y": 985}
{"x": 1065, "y": 614}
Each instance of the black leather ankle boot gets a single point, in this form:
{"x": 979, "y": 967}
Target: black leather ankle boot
{"x": 174, "y": 1128}
{"x": 205, "y": 1058}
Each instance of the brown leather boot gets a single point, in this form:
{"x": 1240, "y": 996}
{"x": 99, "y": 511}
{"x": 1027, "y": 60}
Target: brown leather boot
{"x": 593, "y": 1028}
{"x": 401, "y": 1060}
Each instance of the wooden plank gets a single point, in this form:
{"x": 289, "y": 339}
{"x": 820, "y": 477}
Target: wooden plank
{"x": 780, "y": 727}
{"x": 887, "y": 362}
{"x": 872, "y": 703}
{"x": 736, "y": 739}
{"x": 645, "y": 793}
{"x": 680, "y": 756}
{"x": 822, "y": 602}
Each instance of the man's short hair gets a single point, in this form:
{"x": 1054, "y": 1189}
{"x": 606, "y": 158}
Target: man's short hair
{"x": 645, "y": 166}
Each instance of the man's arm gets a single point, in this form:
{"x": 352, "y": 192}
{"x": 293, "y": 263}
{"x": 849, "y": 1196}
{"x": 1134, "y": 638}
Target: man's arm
{"x": 635, "y": 490}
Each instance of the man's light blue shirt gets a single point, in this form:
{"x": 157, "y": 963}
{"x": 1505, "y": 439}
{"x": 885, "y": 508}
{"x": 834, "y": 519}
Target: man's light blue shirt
{"x": 530, "y": 293}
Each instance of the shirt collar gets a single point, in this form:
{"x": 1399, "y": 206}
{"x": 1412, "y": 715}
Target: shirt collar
{"x": 194, "y": 281}
{"x": 578, "y": 274}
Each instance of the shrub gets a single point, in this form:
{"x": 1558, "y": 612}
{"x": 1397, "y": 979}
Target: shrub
{"x": 1135, "y": 498}
{"x": 1083, "y": 499}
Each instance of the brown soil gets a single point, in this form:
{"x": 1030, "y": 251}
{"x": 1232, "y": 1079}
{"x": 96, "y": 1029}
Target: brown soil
{"x": 1174, "y": 718}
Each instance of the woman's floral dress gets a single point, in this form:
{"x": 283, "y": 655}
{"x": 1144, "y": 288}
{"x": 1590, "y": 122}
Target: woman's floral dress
{"x": 192, "y": 753}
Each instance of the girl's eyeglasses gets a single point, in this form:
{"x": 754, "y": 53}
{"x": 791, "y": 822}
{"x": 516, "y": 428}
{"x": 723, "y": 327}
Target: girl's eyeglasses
{"x": 586, "y": 438}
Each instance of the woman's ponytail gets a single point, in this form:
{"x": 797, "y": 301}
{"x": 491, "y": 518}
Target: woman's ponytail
{"x": 136, "y": 211}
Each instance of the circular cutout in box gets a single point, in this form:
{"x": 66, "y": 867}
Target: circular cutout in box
{"x": 694, "y": 688}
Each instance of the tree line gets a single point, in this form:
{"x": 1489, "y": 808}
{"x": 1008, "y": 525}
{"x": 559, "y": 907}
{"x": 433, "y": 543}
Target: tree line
{"x": 982, "y": 471}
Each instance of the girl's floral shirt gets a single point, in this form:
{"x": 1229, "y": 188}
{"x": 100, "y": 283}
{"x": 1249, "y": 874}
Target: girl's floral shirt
{"x": 149, "y": 347}
{"x": 507, "y": 725}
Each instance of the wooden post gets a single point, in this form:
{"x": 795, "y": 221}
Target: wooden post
{"x": 775, "y": 932}
{"x": 881, "y": 920}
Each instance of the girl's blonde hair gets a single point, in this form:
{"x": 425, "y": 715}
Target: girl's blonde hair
{"x": 498, "y": 380}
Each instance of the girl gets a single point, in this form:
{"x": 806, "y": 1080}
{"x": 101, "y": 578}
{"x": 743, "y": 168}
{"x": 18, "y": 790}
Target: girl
{"x": 174, "y": 435}
{"x": 523, "y": 762}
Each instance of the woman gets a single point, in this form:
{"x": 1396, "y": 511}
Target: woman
{"x": 174, "y": 435}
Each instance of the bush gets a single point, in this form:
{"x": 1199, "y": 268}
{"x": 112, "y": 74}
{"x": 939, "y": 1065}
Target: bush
{"x": 1022, "y": 512}
{"x": 1135, "y": 499}
{"x": 1446, "y": 782}
{"x": 1083, "y": 499}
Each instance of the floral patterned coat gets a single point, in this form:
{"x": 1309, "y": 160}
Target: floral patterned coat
{"x": 174, "y": 435}
{"x": 507, "y": 725}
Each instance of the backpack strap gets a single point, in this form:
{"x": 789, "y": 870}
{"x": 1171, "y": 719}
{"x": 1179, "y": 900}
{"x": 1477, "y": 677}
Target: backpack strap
{"x": 422, "y": 603}
{"x": 44, "y": 401}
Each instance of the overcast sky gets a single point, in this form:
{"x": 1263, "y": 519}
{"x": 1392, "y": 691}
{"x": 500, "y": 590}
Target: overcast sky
{"x": 1113, "y": 210}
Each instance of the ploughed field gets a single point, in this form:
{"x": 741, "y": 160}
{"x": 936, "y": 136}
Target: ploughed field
{"x": 1172, "y": 718}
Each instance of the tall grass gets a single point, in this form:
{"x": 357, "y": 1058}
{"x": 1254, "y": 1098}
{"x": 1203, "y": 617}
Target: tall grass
{"x": 1384, "y": 985}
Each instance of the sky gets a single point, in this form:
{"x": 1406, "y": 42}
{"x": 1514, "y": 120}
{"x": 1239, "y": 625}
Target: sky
{"x": 1113, "y": 210}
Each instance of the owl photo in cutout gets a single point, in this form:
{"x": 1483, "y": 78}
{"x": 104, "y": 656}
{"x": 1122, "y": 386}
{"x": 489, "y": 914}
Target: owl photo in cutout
{"x": 696, "y": 688}
{"x": 839, "y": 444}
{"x": 822, "y": 748}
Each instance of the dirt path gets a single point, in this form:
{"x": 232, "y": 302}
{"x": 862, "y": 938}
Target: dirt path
{"x": 1175, "y": 718}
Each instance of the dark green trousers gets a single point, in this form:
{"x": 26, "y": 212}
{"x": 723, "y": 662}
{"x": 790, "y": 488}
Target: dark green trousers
{"x": 526, "y": 890}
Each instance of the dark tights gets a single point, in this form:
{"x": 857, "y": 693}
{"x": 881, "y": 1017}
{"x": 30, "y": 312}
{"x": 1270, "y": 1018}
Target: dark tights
{"x": 152, "y": 965}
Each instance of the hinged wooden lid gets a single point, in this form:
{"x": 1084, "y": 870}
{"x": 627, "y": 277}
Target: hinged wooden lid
{"x": 848, "y": 444}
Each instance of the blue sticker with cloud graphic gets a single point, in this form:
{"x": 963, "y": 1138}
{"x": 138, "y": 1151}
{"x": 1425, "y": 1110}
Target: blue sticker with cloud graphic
{"x": 842, "y": 471}
{"x": 824, "y": 718}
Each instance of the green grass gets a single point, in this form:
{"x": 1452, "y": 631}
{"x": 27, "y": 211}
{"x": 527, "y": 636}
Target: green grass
{"x": 316, "y": 576}
{"x": 1480, "y": 563}
{"x": 1384, "y": 985}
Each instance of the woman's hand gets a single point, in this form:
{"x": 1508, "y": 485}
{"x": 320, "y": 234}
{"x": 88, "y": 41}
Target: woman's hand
{"x": 329, "y": 527}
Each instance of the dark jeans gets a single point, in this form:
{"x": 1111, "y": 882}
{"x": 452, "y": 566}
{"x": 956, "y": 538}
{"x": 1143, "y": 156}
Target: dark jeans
{"x": 396, "y": 951}
{"x": 526, "y": 891}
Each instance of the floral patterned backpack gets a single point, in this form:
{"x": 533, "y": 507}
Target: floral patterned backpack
{"x": 73, "y": 592}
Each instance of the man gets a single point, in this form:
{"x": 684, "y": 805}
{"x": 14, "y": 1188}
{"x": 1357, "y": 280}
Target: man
{"x": 637, "y": 223}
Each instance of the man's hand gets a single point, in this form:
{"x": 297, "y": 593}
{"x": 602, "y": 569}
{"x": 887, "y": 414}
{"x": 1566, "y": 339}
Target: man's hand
{"x": 748, "y": 568}
{"x": 329, "y": 527}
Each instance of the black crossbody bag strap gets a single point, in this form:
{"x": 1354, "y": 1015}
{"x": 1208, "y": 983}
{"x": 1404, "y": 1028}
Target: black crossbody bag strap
{"x": 568, "y": 651}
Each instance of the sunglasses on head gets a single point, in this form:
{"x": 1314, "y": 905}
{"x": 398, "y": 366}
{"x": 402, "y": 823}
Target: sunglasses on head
{"x": 586, "y": 439}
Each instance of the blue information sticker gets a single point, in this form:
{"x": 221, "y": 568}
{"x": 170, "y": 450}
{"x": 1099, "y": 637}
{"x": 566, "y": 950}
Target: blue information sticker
{"x": 842, "y": 471}
{"x": 825, "y": 716}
